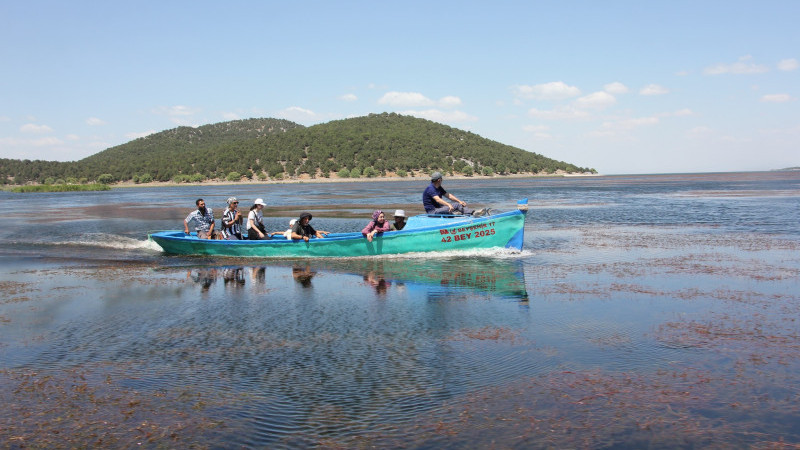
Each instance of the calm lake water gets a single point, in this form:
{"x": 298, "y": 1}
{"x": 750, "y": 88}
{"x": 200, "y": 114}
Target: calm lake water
{"x": 657, "y": 310}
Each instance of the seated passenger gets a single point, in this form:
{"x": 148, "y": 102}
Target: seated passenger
{"x": 255, "y": 221}
{"x": 203, "y": 219}
{"x": 232, "y": 221}
{"x": 399, "y": 220}
{"x": 433, "y": 200}
{"x": 377, "y": 225}
{"x": 288, "y": 233}
{"x": 302, "y": 229}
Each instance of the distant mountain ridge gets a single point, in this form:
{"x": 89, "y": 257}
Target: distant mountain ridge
{"x": 264, "y": 149}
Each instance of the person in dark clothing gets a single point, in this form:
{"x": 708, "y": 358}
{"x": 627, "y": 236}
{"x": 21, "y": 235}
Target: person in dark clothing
{"x": 302, "y": 229}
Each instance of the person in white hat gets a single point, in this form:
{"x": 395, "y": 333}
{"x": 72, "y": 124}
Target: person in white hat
{"x": 399, "y": 220}
{"x": 255, "y": 221}
{"x": 288, "y": 233}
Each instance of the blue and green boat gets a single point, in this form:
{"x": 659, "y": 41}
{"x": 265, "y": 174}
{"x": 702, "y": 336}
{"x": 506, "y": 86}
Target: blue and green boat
{"x": 423, "y": 233}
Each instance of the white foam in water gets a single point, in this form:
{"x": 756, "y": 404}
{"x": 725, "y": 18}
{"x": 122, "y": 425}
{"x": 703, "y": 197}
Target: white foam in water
{"x": 114, "y": 241}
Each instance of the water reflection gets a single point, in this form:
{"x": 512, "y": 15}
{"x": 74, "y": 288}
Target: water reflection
{"x": 205, "y": 277}
{"x": 302, "y": 273}
{"x": 438, "y": 276}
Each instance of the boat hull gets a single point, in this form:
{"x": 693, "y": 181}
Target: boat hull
{"x": 430, "y": 234}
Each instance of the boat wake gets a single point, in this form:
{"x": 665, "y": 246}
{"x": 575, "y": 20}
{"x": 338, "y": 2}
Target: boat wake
{"x": 112, "y": 241}
{"x": 98, "y": 240}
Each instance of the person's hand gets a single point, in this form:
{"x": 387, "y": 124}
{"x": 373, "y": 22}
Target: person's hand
{"x": 369, "y": 236}
{"x": 463, "y": 203}
{"x": 305, "y": 238}
{"x": 450, "y": 205}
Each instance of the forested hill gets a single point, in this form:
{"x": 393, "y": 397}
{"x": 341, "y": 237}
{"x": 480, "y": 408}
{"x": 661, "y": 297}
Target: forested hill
{"x": 264, "y": 149}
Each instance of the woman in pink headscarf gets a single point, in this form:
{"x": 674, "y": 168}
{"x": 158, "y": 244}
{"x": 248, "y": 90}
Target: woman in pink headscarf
{"x": 377, "y": 225}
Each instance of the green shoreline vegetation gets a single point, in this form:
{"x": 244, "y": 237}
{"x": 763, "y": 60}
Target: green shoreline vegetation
{"x": 60, "y": 188}
{"x": 271, "y": 150}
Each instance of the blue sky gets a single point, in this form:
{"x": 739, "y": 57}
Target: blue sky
{"x": 620, "y": 86}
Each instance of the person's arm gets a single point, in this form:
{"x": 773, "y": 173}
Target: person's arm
{"x": 453, "y": 198}
{"x": 185, "y": 226}
{"x": 440, "y": 201}
{"x": 367, "y": 229}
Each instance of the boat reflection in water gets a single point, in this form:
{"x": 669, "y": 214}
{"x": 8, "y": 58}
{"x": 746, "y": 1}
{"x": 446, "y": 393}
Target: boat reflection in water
{"x": 502, "y": 277}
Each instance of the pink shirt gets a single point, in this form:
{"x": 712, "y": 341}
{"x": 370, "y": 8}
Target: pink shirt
{"x": 386, "y": 226}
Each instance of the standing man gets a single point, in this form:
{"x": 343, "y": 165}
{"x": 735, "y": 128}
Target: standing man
{"x": 203, "y": 220}
{"x": 433, "y": 199}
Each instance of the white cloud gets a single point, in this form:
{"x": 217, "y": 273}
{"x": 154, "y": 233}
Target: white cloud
{"x": 5, "y": 119}
{"x": 37, "y": 129}
{"x": 653, "y": 89}
{"x": 563, "y": 113}
{"x": 94, "y": 121}
{"x": 698, "y": 132}
{"x": 776, "y": 98}
{"x": 616, "y": 88}
{"x": 177, "y": 110}
{"x": 298, "y": 114}
{"x": 555, "y": 90}
{"x": 449, "y": 102}
{"x": 788, "y": 64}
{"x": 38, "y": 142}
{"x": 348, "y": 97}
{"x": 683, "y": 112}
{"x": 415, "y": 99}
{"x": 613, "y": 128}
{"x": 140, "y": 134}
{"x": 178, "y": 114}
{"x": 637, "y": 122}
{"x": 437, "y": 115}
{"x": 538, "y": 131}
{"x": 596, "y": 100}
{"x": 742, "y": 67}
{"x": 230, "y": 116}
{"x": 72, "y": 137}
{"x": 535, "y": 128}
{"x": 405, "y": 99}
{"x": 682, "y": 73}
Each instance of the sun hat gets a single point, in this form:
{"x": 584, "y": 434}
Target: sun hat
{"x": 306, "y": 214}
{"x": 260, "y": 201}
{"x": 232, "y": 200}
{"x": 292, "y": 222}
{"x": 436, "y": 175}
{"x": 399, "y": 213}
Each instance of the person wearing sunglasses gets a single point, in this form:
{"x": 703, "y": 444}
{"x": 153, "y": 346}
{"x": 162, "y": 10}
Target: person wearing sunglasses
{"x": 232, "y": 221}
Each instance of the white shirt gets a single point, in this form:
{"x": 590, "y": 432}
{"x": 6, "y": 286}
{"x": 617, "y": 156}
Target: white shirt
{"x": 256, "y": 216}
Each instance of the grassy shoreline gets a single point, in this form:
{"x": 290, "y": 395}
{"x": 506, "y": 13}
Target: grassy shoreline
{"x": 59, "y": 188}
